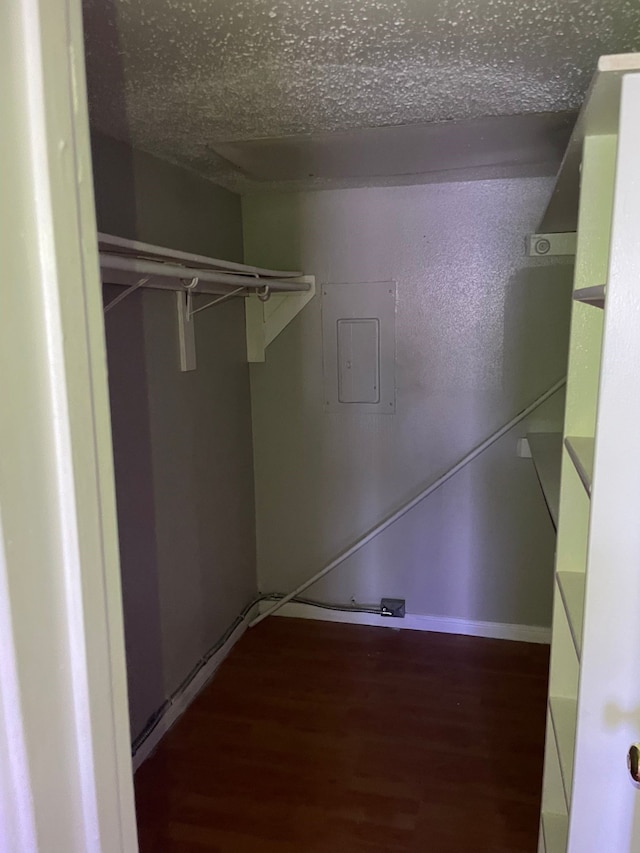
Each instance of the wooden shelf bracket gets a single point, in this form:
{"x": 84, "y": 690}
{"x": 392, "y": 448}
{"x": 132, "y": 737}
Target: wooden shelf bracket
{"x": 266, "y": 319}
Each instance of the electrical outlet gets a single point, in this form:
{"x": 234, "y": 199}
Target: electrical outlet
{"x": 392, "y": 607}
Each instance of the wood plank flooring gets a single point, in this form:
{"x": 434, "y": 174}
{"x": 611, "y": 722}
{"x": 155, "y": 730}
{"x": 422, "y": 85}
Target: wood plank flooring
{"x": 319, "y": 737}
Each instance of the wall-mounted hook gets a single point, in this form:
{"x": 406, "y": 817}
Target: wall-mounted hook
{"x": 189, "y": 286}
{"x": 265, "y": 294}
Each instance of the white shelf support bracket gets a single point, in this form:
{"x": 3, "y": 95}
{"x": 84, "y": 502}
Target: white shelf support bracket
{"x": 186, "y": 333}
{"x": 265, "y": 320}
{"x": 549, "y": 245}
{"x": 523, "y": 451}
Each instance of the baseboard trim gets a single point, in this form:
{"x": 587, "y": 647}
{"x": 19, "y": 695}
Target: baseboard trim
{"x": 417, "y": 622}
{"x": 182, "y": 701}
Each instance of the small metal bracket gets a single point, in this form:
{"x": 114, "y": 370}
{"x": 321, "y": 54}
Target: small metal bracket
{"x": 549, "y": 245}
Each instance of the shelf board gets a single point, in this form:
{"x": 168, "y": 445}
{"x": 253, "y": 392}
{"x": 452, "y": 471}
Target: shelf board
{"x": 563, "y": 717}
{"x": 546, "y": 452}
{"x": 591, "y": 295}
{"x": 572, "y": 585}
{"x": 580, "y": 450}
{"x": 555, "y": 828}
{"x": 110, "y": 244}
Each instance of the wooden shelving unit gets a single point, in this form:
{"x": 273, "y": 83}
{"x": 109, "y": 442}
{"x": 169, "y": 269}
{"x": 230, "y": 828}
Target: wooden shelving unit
{"x": 546, "y": 452}
{"x": 588, "y": 803}
{"x": 577, "y": 454}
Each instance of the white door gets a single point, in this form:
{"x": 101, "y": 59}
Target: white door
{"x": 65, "y": 768}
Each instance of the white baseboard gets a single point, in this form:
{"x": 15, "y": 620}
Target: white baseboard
{"x": 186, "y": 697}
{"x": 416, "y": 622}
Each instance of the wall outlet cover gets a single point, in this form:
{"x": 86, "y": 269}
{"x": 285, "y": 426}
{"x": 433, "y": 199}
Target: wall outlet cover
{"x": 393, "y": 607}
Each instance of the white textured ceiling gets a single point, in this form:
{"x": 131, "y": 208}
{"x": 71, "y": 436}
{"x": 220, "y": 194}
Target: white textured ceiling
{"x": 178, "y": 78}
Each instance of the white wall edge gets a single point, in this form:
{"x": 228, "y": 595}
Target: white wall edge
{"x": 184, "y": 699}
{"x": 418, "y": 622}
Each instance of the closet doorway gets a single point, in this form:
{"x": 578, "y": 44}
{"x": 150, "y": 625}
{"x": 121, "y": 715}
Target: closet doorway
{"x": 369, "y": 453}
{"x": 336, "y": 340}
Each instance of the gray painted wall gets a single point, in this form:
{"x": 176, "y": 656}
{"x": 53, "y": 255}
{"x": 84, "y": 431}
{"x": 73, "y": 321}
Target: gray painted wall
{"x": 481, "y": 332}
{"x": 182, "y": 442}
{"x": 141, "y": 197}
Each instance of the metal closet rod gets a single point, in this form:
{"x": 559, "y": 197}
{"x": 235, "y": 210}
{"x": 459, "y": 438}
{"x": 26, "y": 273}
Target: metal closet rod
{"x": 140, "y": 266}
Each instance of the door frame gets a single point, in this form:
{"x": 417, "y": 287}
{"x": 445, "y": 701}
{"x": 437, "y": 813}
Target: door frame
{"x": 65, "y": 750}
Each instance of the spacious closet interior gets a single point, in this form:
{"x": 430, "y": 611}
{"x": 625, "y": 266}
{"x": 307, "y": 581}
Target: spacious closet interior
{"x": 338, "y": 299}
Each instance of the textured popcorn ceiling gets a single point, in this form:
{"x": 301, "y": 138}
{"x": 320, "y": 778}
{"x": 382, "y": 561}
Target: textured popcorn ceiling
{"x": 177, "y": 78}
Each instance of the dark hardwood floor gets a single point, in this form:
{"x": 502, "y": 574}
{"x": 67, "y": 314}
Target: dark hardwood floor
{"x": 324, "y": 737}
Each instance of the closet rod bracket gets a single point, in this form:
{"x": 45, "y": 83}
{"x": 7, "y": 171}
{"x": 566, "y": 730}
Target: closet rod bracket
{"x": 267, "y": 317}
